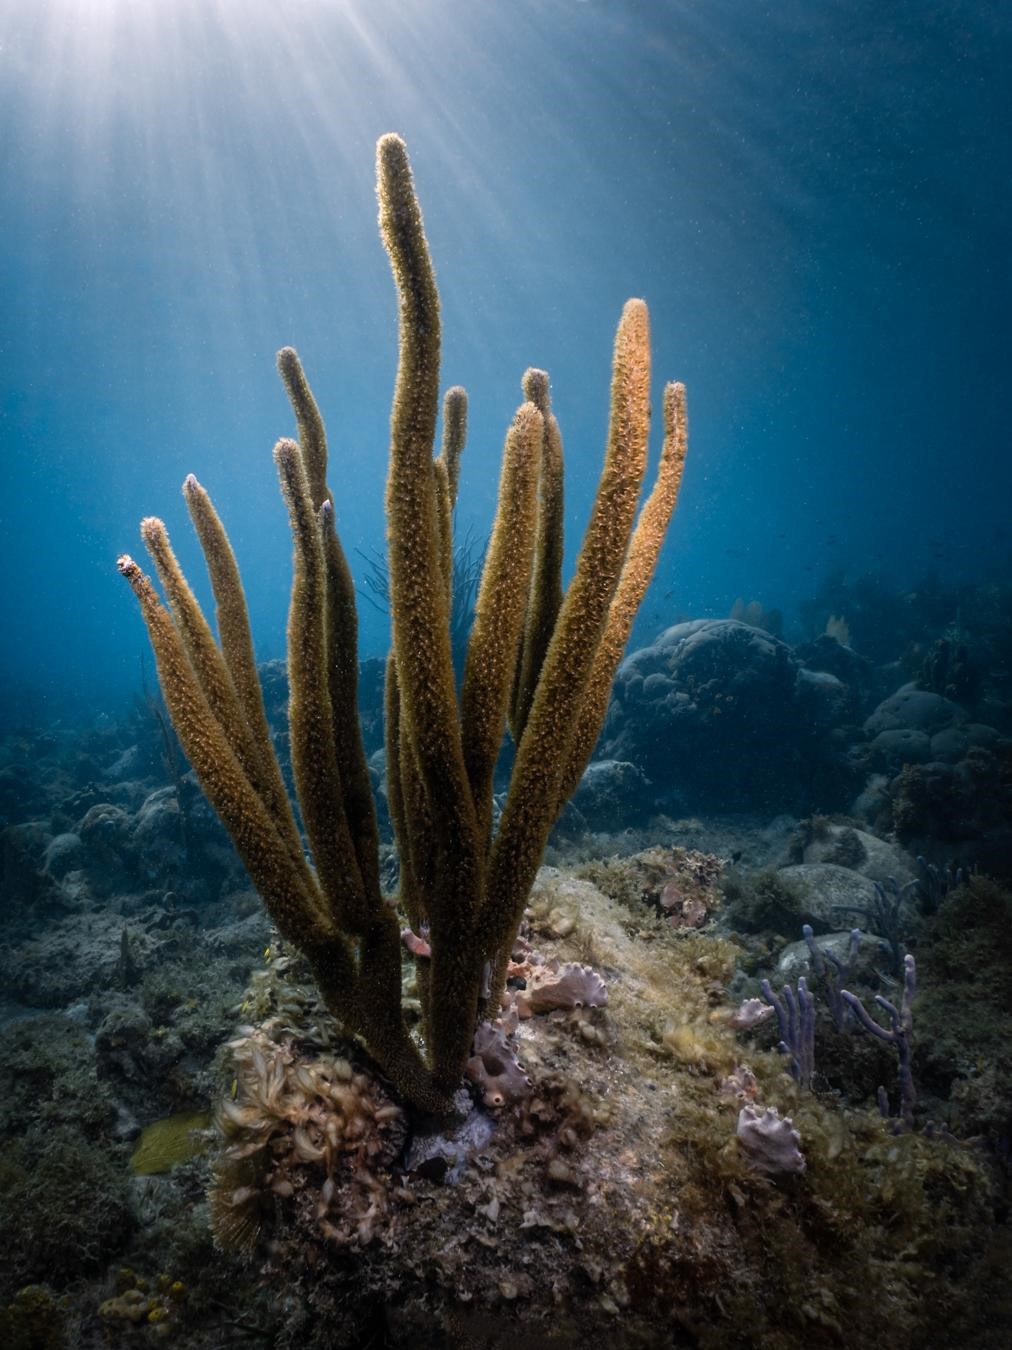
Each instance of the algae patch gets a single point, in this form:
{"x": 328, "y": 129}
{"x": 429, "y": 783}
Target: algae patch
{"x": 169, "y": 1141}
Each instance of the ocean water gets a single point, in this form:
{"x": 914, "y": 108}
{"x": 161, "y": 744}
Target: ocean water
{"x": 812, "y": 725}
{"x": 813, "y": 200}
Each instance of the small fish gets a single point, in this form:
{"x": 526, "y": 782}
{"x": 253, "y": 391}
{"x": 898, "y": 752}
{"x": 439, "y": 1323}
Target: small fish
{"x": 267, "y": 953}
{"x": 234, "y": 1088}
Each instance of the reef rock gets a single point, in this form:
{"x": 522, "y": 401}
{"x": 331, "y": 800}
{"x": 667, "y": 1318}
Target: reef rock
{"x": 612, "y": 795}
{"x": 720, "y": 712}
{"x": 858, "y": 851}
{"x": 158, "y": 836}
{"x": 914, "y": 709}
{"x": 829, "y": 893}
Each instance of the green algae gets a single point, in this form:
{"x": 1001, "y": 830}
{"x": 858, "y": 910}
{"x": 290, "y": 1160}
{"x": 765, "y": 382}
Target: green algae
{"x": 171, "y": 1140}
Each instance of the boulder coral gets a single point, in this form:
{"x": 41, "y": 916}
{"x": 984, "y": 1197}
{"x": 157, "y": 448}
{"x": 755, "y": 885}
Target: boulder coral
{"x": 719, "y": 713}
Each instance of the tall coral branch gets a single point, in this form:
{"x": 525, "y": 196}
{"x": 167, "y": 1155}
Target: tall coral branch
{"x": 533, "y": 801}
{"x": 314, "y": 762}
{"x": 341, "y": 623}
{"x": 637, "y": 573}
{"x": 419, "y": 612}
{"x": 499, "y": 613}
{"x": 545, "y": 598}
{"x": 289, "y": 891}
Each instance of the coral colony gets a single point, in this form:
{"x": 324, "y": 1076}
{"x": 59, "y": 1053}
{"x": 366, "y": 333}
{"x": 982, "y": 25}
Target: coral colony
{"x": 541, "y": 660}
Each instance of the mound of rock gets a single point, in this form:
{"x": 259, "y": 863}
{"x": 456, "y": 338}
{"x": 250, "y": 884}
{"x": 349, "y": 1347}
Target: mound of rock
{"x": 718, "y": 712}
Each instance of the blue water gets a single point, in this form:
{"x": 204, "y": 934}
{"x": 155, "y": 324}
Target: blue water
{"x": 814, "y": 199}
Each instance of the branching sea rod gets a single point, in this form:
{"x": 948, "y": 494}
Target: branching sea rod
{"x": 541, "y": 658}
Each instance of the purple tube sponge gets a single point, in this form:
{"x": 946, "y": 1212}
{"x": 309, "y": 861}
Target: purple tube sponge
{"x": 796, "y": 1022}
{"x": 834, "y": 974}
{"x": 898, "y": 1033}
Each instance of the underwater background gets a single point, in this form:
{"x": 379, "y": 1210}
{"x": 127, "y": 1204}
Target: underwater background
{"x": 814, "y": 200}
{"x": 811, "y": 729}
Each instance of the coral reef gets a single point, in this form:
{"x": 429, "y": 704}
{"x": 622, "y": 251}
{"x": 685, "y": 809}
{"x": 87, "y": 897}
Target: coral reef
{"x": 766, "y": 901}
{"x": 796, "y": 1023}
{"x": 644, "y": 1186}
{"x": 33, "y": 1320}
{"x": 964, "y": 1047}
{"x": 631, "y": 1147}
{"x": 140, "y": 1302}
{"x": 755, "y": 615}
{"x": 554, "y": 985}
{"x": 682, "y": 884}
{"x": 604, "y": 1195}
{"x": 68, "y": 1201}
{"x": 899, "y": 1034}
